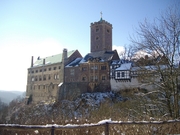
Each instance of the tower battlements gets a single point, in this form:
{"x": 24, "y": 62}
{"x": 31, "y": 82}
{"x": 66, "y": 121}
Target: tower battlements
{"x": 101, "y": 22}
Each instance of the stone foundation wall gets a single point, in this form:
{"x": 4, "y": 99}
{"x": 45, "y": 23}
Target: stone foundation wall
{"x": 72, "y": 90}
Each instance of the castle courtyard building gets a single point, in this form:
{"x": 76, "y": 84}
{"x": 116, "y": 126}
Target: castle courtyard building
{"x": 46, "y": 74}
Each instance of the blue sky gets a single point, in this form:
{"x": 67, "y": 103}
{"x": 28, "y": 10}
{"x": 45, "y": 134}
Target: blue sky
{"x": 44, "y": 27}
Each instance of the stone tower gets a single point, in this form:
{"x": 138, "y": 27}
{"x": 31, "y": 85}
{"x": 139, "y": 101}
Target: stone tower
{"x": 101, "y": 36}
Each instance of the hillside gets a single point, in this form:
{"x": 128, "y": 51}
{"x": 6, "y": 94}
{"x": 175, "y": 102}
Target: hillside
{"x": 8, "y": 96}
{"x": 85, "y": 107}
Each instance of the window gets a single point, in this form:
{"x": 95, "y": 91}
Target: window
{"x": 83, "y": 78}
{"x": 103, "y": 67}
{"x": 97, "y": 28}
{"x": 44, "y": 77}
{"x": 32, "y": 79}
{"x": 36, "y": 78}
{"x": 97, "y": 38}
{"x": 107, "y": 31}
{"x": 40, "y": 78}
{"x": 36, "y": 71}
{"x": 40, "y": 70}
{"x": 71, "y": 71}
{"x": 122, "y": 74}
{"x": 94, "y": 67}
{"x": 94, "y": 78}
{"x": 59, "y": 67}
{"x": 49, "y": 69}
{"x": 91, "y": 78}
{"x": 32, "y": 71}
{"x": 44, "y": 69}
{"x": 84, "y": 68}
{"x": 39, "y": 86}
{"x": 55, "y": 76}
{"x": 49, "y": 77}
{"x": 118, "y": 74}
{"x": 54, "y": 68}
{"x": 103, "y": 77}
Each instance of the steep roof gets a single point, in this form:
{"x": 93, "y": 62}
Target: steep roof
{"x": 125, "y": 66}
{"x": 52, "y": 59}
{"x": 121, "y": 61}
{"x": 103, "y": 55}
{"x": 74, "y": 63}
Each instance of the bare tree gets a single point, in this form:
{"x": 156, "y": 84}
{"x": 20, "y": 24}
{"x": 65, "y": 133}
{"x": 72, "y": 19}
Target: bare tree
{"x": 128, "y": 53}
{"x": 162, "y": 39}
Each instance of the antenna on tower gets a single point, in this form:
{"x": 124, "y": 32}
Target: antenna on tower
{"x": 101, "y": 14}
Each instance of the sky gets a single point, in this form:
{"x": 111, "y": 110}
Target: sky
{"x": 44, "y": 27}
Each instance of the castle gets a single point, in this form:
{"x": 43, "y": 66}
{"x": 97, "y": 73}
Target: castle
{"x": 67, "y": 75}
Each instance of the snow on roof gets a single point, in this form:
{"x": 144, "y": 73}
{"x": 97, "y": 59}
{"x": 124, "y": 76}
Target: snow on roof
{"x": 82, "y": 61}
{"x": 125, "y": 66}
{"x": 74, "y": 63}
{"x": 52, "y": 59}
{"x": 151, "y": 67}
{"x": 120, "y": 61}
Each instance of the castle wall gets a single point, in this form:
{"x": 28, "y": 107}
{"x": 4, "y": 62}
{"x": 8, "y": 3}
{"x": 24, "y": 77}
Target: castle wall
{"x": 43, "y": 81}
{"x": 72, "y": 90}
{"x": 94, "y": 72}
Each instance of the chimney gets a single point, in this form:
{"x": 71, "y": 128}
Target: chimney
{"x": 32, "y": 61}
{"x": 64, "y": 54}
{"x": 44, "y": 61}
